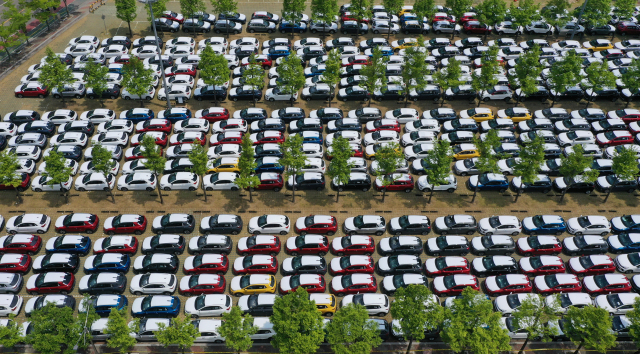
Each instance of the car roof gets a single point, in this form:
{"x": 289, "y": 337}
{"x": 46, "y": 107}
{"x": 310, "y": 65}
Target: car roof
{"x": 456, "y": 240}
{"x": 313, "y": 239}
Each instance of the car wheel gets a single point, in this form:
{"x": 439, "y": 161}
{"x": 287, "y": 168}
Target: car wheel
{"x": 167, "y": 188}
{"x": 502, "y": 190}
{"x": 56, "y": 96}
{"x": 217, "y": 31}
{"x": 623, "y": 34}
{"x": 470, "y": 232}
{"x": 340, "y": 254}
{"x": 38, "y": 189}
{"x": 613, "y": 99}
{"x": 21, "y": 96}
{"x": 501, "y": 33}
{"x": 379, "y": 233}
{"x": 277, "y": 189}
{"x": 77, "y": 96}
{"x": 272, "y": 99}
{"x": 486, "y": 99}
{"x": 269, "y": 31}
{"x": 480, "y": 253}
{"x": 192, "y": 188}
{"x": 438, "y": 32}
{"x": 314, "y": 31}
{"x": 127, "y": 98}
{"x": 139, "y": 232}
{"x": 587, "y": 192}
{"x": 376, "y": 32}
{"x": 64, "y": 292}
{"x": 235, "y": 99}
{"x": 238, "y": 294}
{"x": 81, "y": 189}
{"x": 488, "y": 234}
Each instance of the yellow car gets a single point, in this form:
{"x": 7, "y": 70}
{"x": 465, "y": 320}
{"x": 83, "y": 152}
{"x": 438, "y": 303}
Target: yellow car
{"x": 325, "y": 303}
{"x": 252, "y": 284}
{"x": 404, "y": 43}
{"x": 405, "y": 10}
{"x": 597, "y": 45}
{"x": 224, "y": 164}
{"x": 370, "y": 150}
{"x": 516, "y": 114}
{"x": 478, "y": 114}
{"x": 465, "y": 151}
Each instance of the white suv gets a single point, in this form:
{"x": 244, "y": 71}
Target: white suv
{"x": 376, "y": 304}
{"x": 153, "y": 283}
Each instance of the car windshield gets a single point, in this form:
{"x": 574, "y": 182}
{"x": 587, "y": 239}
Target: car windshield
{"x": 262, "y": 221}
{"x": 624, "y": 239}
{"x": 627, "y": 220}
{"x": 494, "y": 221}
{"x": 294, "y": 281}
{"x": 245, "y": 281}
{"x": 403, "y": 221}
{"x": 193, "y": 281}
{"x": 617, "y": 324}
{"x": 538, "y": 221}
{"x": 585, "y": 262}
{"x": 584, "y": 221}
{"x": 441, "y": 263}
{"x": 634, "y": 258}
{"x": 580, "y": 242}
{"x": 147, "y": 261}
{"x": 441, "y": 242}
{"x": 514, "y": 301}
{"x": 488, "y": 263}
{"x": 346, "y": 281}
{"x": 200, "y": 302}
{"x": 601, "y": 281}
{"x": 146, "y": 303}
{"x": 358, "y": 221}
{"x": 345, "y": 262}
{"x": 551, "y": 281}
{"x": 398, "y": 281}
{"x": 247, "y": 261}
{"x": 449, "y": 281}
{"x": 165, "y": 220}
{"x": 144, "y": 280}
{"x": 296, "y": 262}
{"x": 346, "y": 242}
{"x": 197, "y": 261}
{"x": 93, "y": 280}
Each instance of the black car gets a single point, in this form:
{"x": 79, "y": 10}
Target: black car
{"x": 245, "y": 94}
{"x": 225, "y": 26}
{"x": 149, "y": 41}
{"x": 610, "y": 94}
{"x": 166, "y": 25}
{"x": 603, "y": 166}
{"x": 260, "y": 305}
{"x": 494, "y": 244}
{"x": 210, "y": 92}
{"x": 193, "y": 25}
{"x": 167, "y": 61}
{"x": 120, "y": 40}
{"x": 584, "y": 245}
{"x": 389, "y": 92}
{"x": 572, "y": 93}
{"x": 201, "y": 15}
{"x": 269, "y": 124}
{"x": 309, "y": 53}
{"x": 210, "y": 244}
{"x": 101, "y": 284}
{"x": 221, "y": 224}
{"x": 174, "y": 224}
{"x": 57, "y": 262}
{"x": 290, "y": 113}
{"x": 352, "y": 27}
{"x": 80, "y": 127}
{"x": 601, "y": 30}
{"x": 343, "y": 124}
{"x": 543, "y": 185}
{"x": 232, "y": 16}
{"x": 156, "y": 263}
{"x": 460, "y": 93}
{"x": 541, "y": 95}
{"x": 253, "y": 114}
{"x": 304, "y": 265}
{"x": 318, "y": 92}
{"x": 399, "y": 264}
{"x": 42, "y": 127}
{"x": 307, "y": 124}
{"x": 3, "y": 142}
{"x": 71, "y": 152}
{"x": 462, "y": 126}
{"x": 245, "y": 51}
{"x": 554, "y": 114}
{"x": 170, "y": 244}
{"x": 447, "y": 245}
{"x": 357, "y": 181}
{"x": 353, "y": 94}
{"x": 308, "y": 181}
{"x": 264, "y": 150}
{"x": 617, "y": 185}
{"x": 414, "y": 27}
{"x": 410, "y": 225}
{"x": 383, "y": 326}
{"x": 560, "y": 185}
{"x": 552, "y": 151}
{"x": 400, "y": 245}
{"x": 429, "y": 93}
{"x": 494, "y": 265}
{"x": 23, "y": 116}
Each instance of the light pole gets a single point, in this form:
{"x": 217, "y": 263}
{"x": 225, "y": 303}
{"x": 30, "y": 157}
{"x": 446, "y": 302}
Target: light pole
{"x": 155, "y": 33}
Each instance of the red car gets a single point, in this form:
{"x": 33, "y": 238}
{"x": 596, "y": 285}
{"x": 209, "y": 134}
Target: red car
{"x": 255, "y": 264}
{"x": 539, "y": 245}
{"x": 182, "y": 69}
{"x": 347, "y": 16}
{"x": 259, "y": 244}
{"x": 225, "y": 138}
{"x": 316, "y": 224}
{"x": 355, "y": 60}
{"x": 77, "y": 222}
{"x": 26, "y": 181}
{"x": 614, "y": 138}
{"x": 135, "y": 153}
{"x": 307, "y": 244}
{"x": 161, "y": 138}
{"x": 351, "y": 265}
{"x": 261, "y": 59}
{"x": 507, "y": 284}
{"x": 206, "y": 263}
{"x": 383, "y": 124}
{"x": 592, "y": 265}
{"x": 476, "y": 27}
{"x": 355, "y": 149}
{"x": 202, "y": 284}
{"x": 269, "y": 136}
{"x": 15, "y": 263}
{"x": 606, "y": 284}
{"x": 50, "y": 283}
{"x": 116, "y": 244}
{"x": 446, "y": 266}
{"x": 270, "y": 180}
{"x": 213, "y": 114}
{"x": 121, "y": 59}
{"x": 443, "y": 17}
{"x": 31, "y": 89}
{"x": 173, "y": 16}
{"x": 356, "y": 244}
{"x": 312, "y": 283}
{"x": 354, "y": 284}
{"x": 189, "y": 138}
{"x": 125, "y": 224}
{"x": 451, "y": 285}
{"x": 541, "y": 265}
{"x": 20, "y": 243}
{"x": 627, "y": 115}
{"x": 467, "y": 18}
{"x": 404, "y": 182}
{"x": 557, "y": 283}
{"x": 154, "y": 125}
{"x": 628, "y": 28}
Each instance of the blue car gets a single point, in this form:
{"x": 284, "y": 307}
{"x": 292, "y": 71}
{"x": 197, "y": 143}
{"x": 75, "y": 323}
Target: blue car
{"x": 137, "y": 114}
{"x": 277, "y": 52}
{"x": 624, "y": 243}
{"x": 107, "y": 262}
{"x": 268, "y": 164}
{"x": 116, "y": 68}
{"x": 74, "y": 244}
{"x": 625, "y": 223}
{"x": 175, "y": 114}
{"x": 287, "y": 27}
{"x": 311, "y": 137}
{"x": 488, "y": 182}
{"x": 156, "y": 306}
{"x": 104, "y": 303}
{"x": 544, "y": 225}
{"x": 385, "y": 50}
{"x": 315, "y": 70}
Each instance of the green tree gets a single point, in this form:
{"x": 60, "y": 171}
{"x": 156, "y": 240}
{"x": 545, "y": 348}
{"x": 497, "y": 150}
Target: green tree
{"x": 181, "y": 332}
{"x": 489, "y": 70}
{"x": 41, "y": 10}
{"x": 424, "y": 8}
{"x": 9, "y": 164}
{"x": 523, "y": 12}
{"x": 332, "y": 73}
{"x": 9, "y": 37}
{"x": 96, "y": 77}
{"x": 488, "y": 159}
{"x": 83, "y": 323}
{"x": 589, "y": 327}
{"x": 126, "y": 10}
{"x": 11, "y": 334}
{"x": 598, "y": 78}
{"x": 596, "y": 12}
{"x": 292, "y": 11}
{"x": 417, "y": 311}
{"x": 291, "y": 76}
{"x": 631, "y": 77}
{"x": 57, "y": 171}
{"x": 533, "y": 316}
{"x": 554, "y": 12}
{"x": 564, "y": 74}
{"x": 449, "y": 77}
{"x": 224, "y": 7}
{"x": 528, "y": 69}
{"x": 293, "y": 159}
{"x": 137, "y": 79}
{"x": 159, "y": 7}
{"x": 200, "y": 160}
{"x": 297, "y": 323}
{"x": 529, "y": 162}
{"x": 625, "y": 8}
{"x": 491, "y": 12}
{"x": 190, "y": 8}
{"x": 247, "y": 165}
{"x": 18, "y": 18}
{"x": 389, "y": 157}
{"x": 576, "y": 165}
{"x": 351, "y": 331}
{"x": 360, "y": 10}
{"x": 54, "y": 330}
{"x": 413, "y": 71}
{"x": 154, "y": 160}
{"x": 53, "y": 74}
{"x": 634, "y": 318}
{"x": 624, "y": 167}
{"x": 324, "y": 11}
{"x": 237, "y": 329}
{"x": 439, "y": 160}
{"x": 103, "y": 163}
{"x": 458, "y": 7}
{"x": 214, "y": 69}
{"x": 471, "y": 324}
{"x": 119, "y": 329}
{"x": 373, "y": 73}
{"x": 392, "y": 7}
{"x": 340, "y": 167}
{"x": 254, "y": 75}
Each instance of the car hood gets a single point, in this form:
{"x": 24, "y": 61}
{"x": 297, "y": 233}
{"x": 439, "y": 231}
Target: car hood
{"x": 336, "y": 244}
{"x": 528, "y": 224}
{"x": 438, "y": 283}
{"x": 430, "y": 265}
{"x": 540, "y": 283}
{"x": 287, "y": 264}
{"x": 28, "y": 307}
{"x": 476, "y": 243}
{"x": 108, "y": 223}
{"x": 573, "y": 224}
{"x": 146, "y": 244}
{"x": 502, "y": 305}
{"x": 242, "y": 244}
{"x": 525, "y": 264}
{"x": 477, "y": 265}
{"x": 335, "y": 264}
{"x": 84, "y": 282}
{"x": 384, "y": 243}
{"x": 383, "y": 263}
{"x": 235, "y": 283}
{"x": 348, "y": 224}
{"x": 614, "y": 241}
{"x": 137, "y": 264}
{"x": 490, "y": 284}
{"x": 524, "y": 245}
{"x": 157, "y": 223}
{"x": 395, "y": 224}
{"x": 136, "y": 307}
{"x": 601, "y": 301}
{"x": 188, "y": 263}
{"x": 285, "y": 284}
{"x": 439, "y": 224}
{"x": 590, "y": 284}
{"x": 193, "y": 243}
{"x": 387, "y": 283}
{"x": 184, "y": 283}
{"x": 336, "y": 283}
{"x": 617, "y": 224}
{"x": 484, "y": 223}
{"x": 623, "y": 262}
{"x": 570, "y": 244}
{"x": 60, "y": 221}
{"x": 253, "y": 224}
{"x": 243, "y": 303}
{"x": 190, "y": 305}
{"x": 574, "y": 263}
{"x": 98, "y": 245}
{"x": 51, "y": 244}
{"x": 431, "y": 243}
{"x": 291, "y": 242}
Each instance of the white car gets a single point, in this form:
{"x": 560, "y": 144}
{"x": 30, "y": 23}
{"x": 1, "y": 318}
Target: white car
{"x": 67, "y": 163}
{"x": 229, "y": 125}
{"x": 225, "y": 150}
{"x": 40, "y": 184}
{"x": 69, "y": 139}
{"x": 89, "y": 167}
{"x": 94, "y": 182}
{"x": 507, "y": 304}
{"x": 391, "y": 283}
{"x": 564, "y": 301}
{"x": 589, "y": 225}
{"x": 113, "y": 50}
{"x": 275, "y": 94}
{"x": 153, "y": 284}
{"x": 307, "y": 42}
{"x": 39, "y": 302}
{"x": 28, "y": 223}
{"x": 431, "y": 125}
{"x": 115, "y": 138}
{"x": 175, "y": 92}
{"x": 99, "y": 115}
{"x": 192, "y": 125}
{"x": 308, "y": 263}
{"x": 376, "y": 304}
{"x": 418, "y": 137}
{"x": 208, "y": 305}
{"x": 144, "y": 52}
{"x": 616, "y": 304}
{"x": 387, "y": 136}
{"x": 60, "y": 116}
{"x": 81, "y": 49}
{"x": 269, "y": 224}
{"x": 500, "y": 225}
{"x": 220, "y": 181}
{"x": 137, "y": 139}
{"x": 180, "y": 181}
{"x": 576, "y": 137}
{"x": 628, "y": 263}
{"x": 146, "y": 96}
{"x": 352, "y": 137}
{"x": 116, "y": 152}
{"x": 425, "y": 186}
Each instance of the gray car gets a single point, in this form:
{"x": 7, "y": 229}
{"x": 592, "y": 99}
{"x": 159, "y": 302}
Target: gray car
{"x": 76, "y": 90}
{"x": 261, "y": 26}
{"x": 446, "y": 27}
{"x": 323, "y": 27}
{"x": 365, "y": 224}
{"x": 381, "y": 26}
{"x": 569, "y": 28}
{"x": 226, "y": 26}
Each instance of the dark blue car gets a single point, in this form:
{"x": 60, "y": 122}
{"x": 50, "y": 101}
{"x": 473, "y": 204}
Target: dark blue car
{"x": 311, "y": 137}
{"x": 624, "y": 243}
{"x": 175, "y": 114}
{"x": 108, "y": 262}
{"x": 277, "y": 52}
{"x": 544, "y": 225}
{"x": 245, "y": 93}
{"x": 104, "y": 303}
{"x": 74, "y": 244}
{"x": 488, "y": 182}
{"x": 268, "y": 164}
{"x": 315, "y": 70}
{"x": 137, "y": 114}
{"x": 625, "y": 223}
{"x": 156, "y": 306}
{"x": 286, "y": 27}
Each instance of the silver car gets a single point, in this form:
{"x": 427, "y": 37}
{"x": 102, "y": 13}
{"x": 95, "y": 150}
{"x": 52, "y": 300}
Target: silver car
{"x": 446, "y": 27}
{"x": 75, "y": 90}
{"x": 323, "y": 27}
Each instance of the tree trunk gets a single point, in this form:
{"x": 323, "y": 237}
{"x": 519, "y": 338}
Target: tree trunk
{"x": 291, "y": 101}
{"x": 331, "y": 99}
{"x": 250, "y": 195}
{"x": 564, "y": 191}
{"x": 627, "y": 105}
{"x": 204, "y": 190}
{"x": 142, "y": 101}
{"x": 553, "y": 102}
{"x": 113, "y": 197}
{"x": 589, "y": 101}
{"x": 159, "y": 190}
{"x": 337, "y": 195}
{"x": 409, "y": 346}
{"x": 608, "y": 193}
{"x": 7, "y": 50}
{"x": 431, "y": 194}
{"x": 479, "y": 102}
{"x": 130, "y": 31}
{"x": 475, "y": 192}
{"x": 517, "y": 196}
{"x": 384, "y": 193}
{"x": 65, "y": 193}
{"x": 65, "y": 7}
{"x": 293, "y": 189}
{"x": 524, "y": 345}
{"x": 578, "y": 350}
{"x": 47, "y": 23}
{"x": 442, "y": 102}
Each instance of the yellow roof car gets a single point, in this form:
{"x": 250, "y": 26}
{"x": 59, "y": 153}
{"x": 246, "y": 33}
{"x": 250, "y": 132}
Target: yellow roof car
{"x": 252, "y": 284}
{"x": 224, "y": 164}
{"x": 516, "y": 114}
{"x": 478, "y": 114}
{"x": 404, "y": 43}
{"x": 597, "y": 45}
{"x": 325, "y": 303}
{"x": 465, "y": 151}
{"x": 406, "y": 10}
